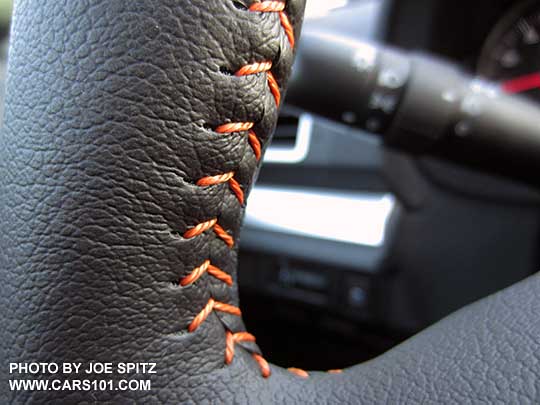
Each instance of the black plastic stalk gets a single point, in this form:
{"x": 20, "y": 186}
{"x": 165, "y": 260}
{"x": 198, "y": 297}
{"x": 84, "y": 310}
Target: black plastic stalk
{"x": 419, "y": 103}
{"x": 348, "y": 80}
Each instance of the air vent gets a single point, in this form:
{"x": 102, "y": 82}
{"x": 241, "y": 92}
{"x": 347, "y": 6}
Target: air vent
{"x": 291, "y": 139}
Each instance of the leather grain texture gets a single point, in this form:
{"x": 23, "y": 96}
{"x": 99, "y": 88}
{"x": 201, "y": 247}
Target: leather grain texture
{"x": 111, "y": 111}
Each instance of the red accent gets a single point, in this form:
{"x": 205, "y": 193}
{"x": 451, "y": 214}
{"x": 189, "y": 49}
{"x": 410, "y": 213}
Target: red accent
{"x": 522, "y": 83}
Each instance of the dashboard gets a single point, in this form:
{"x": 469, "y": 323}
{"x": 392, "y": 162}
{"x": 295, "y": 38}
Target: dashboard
{"x": 346, "y": 238}
{"x": 498, "y": 40}
{"x": 511, "y": 53}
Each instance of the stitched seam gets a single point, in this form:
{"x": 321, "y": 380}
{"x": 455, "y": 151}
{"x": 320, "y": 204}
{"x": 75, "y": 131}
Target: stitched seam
{"x": 210, "y": 224}
{"x": 224, "y": 178}
{"x": 263, "y": 364}
{"x": 299, "y": 372}
{"x": 231, "y": 339}
{"x": 255, "y": 68}
{"x": 206, "y": 267}
{"x": 210, "y": 306}
{"x": 276, "y": 6}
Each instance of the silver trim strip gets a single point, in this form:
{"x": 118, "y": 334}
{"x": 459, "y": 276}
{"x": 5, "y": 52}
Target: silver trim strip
{"x": 351, "y": 217}
{"x": 296, "y": 154}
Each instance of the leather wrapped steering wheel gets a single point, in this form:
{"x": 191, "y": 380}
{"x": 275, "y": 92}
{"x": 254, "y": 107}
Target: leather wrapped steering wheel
{"x": 133, "y": 132}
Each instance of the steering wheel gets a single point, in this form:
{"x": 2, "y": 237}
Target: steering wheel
{"x": 132, "y": 135}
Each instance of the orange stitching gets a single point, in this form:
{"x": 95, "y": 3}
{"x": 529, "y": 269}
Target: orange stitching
{"x": 195, "y": 274}
{"x": 299, "y": 372}
{"x": 208, "y": 308}
{"x": 242, "y": 126}
{"x": 255, "y": 144}
{"x": 200, "y": 228}
{"x": 229, "y": 347}
{"x": 232, "y": 339}
{"x": 237, "y": 190}
{"x": 204, "y": 226}
{"x": 259, "y": 67}
{"x": 213, "y": 180}
{"x": 273, "y": 7}
{"x": 249, "y": 69}
{"x": 274, "y": 88}
{"x": 263, "y": 364}
{"x": 254, "y": 68}
{"x": 268, "y": 6}
{"x": 224, "y": 178}
{"x": 222, "y": 233}
{"x": 234, "y": 127}
{"x": 203, "y": 268}
{"x": 230, "y": 309}
{"x": 335, "y": 371}
{"x": 287, "y": 26}
{"x": 220, "y": 274}
{"x": 201, "y": 316}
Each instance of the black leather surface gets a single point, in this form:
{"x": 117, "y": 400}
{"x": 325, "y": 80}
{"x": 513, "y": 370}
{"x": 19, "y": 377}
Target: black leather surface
{"x": 110, "y": 115}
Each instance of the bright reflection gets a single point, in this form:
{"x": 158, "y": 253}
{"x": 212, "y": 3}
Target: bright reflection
{"x": 321, "y": 8}
{"x": 359, "y": 218}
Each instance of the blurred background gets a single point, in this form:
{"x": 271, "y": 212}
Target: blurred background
{"x": 352, "y": 246}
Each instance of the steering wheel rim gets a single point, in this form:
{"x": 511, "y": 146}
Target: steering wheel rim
{"x": 133, "y": 132}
